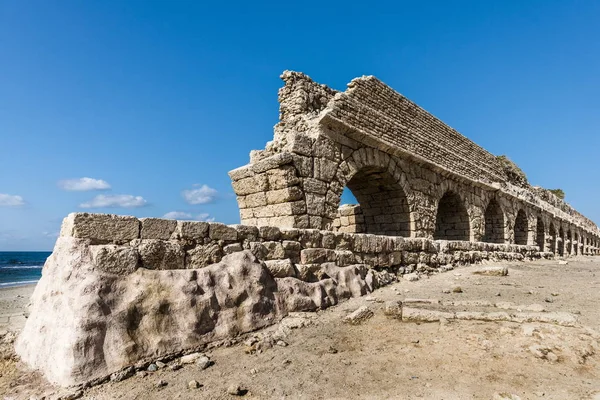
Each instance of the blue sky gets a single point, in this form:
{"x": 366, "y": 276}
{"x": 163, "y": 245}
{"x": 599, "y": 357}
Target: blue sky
{"x": 156, "y": 100}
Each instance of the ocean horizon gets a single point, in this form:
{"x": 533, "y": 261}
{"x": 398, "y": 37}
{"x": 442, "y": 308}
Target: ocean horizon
{"x": 19, "y": 268}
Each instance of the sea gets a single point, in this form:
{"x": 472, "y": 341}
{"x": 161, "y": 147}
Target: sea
{"x": 21, "y": 267}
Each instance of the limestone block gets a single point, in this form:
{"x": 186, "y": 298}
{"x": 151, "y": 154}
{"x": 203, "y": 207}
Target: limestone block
{"x": 344, "y": 241}
{"x": 312, "y": 185}
{"x": 328, "y": 239}
{"x": 302, "y": 144}
{"x": 282, "y": 178}
{"x": 393, "y": 309}
{"x": 290, "y": 233}
{"x": 283, "y": 221}
{"x": 290, "y": 208}
{"x": 410, "y": 314}
{"x": 101, "y": 228}
{"x": 160, "y": 254}
{"x": 274, "y": 250}
{"x": 283, "y": 195}
{"x": 315, "y": 222}
{"x": 241, "y": 173}
{"x": 258, "y": 250}
{"x": 232, "y": 248}
{"x": 281, "y": 268}
{"x": 246, "y": 232}
{"x": 359, "y": 316}
{"x": 317, "y": 256}
{"x": 255, "y": 200}
{"x": 246, "y": 214}
{"x": 309, "y": 238}
{"x": 315, "y": 204}
{"x": 492, "y": 271}
{"x": 324, "y": 169}
{"x": 203, "y": 255}
{"x": 254, "y": 184}
{"x": 309, "y": 272}
{"x": 292, "y": 250}
{"x": 157, "y": 228}
{"x": 344, "y": 258}
{"x": 304, "y": 165}
{"x": 272, "y": 162}
{"x": 121, "y": 260}
{"x": 218, "y": 231}
{"x": 190, "y": 230}
{"x": 269, "y": 233}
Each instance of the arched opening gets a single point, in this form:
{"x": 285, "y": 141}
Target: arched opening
{"x": 561, "y": 242}
{"x": 540, "y": 235}
{"x": 521, "y": 228}
{"x": 569, "y": 242}
{"x": 452, "y": 220}
{"x": 494, "y": 223}
{"x": 382, "y": 207}
{"x": 552, "y": 234}
{"x": 576, "y": 244}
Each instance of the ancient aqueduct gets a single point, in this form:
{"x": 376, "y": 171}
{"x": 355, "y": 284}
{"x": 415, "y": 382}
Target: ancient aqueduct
{"x": 119, "y": 292}
{"x": 413, "y": 175}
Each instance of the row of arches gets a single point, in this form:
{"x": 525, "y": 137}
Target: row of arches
{"x": 386, "y": 210}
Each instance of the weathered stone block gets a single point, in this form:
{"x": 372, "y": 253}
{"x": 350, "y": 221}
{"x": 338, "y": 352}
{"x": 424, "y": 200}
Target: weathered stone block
{"x": 284, "y": 195}
{"x": 160, "y": 254}
{"x": 274, "y": 250}
{"x": 309, "y": 238}
{"x": 232, "y": 248}
{"x": 281, "y": 268}
{"x": 203, "y": 255}
{"x": 255, "y": 184}
{"x": 190, "y": 230}
{"x": 246, "y": 232}
{"x": 269, "y": 233}
{"x": 156, "y": 228}
{"x": 218, "y": 231}
{"x": 121, "y": 260}
{"x": 101, "y": 228}
{"x": 317, "y": 256}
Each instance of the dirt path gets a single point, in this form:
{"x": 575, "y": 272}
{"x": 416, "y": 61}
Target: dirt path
{"x": 386, "y": 358}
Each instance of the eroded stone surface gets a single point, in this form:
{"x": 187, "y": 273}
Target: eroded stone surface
{"x": 100, "y": 318}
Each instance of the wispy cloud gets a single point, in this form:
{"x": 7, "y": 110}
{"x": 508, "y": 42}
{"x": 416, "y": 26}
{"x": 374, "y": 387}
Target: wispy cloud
{"x": 83, "y": 184}
{"x": 51, "y": 235}
{"x": 201, "y": 194}
{"x": 115, "y": 200}
{"x": 188, "y": 216}
{"x": 9, "y": 200}
{"x": 10, "y": 236}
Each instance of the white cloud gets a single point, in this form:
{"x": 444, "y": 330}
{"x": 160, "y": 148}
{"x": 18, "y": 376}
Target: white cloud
{"x": 115, "y": 200}
{"x": 9, "y": 200}
{"x": 188, "y": 216}
{"x": 51, "y": 235}
{"x": 202, "y": 194}
{"x": 83, "y": 184}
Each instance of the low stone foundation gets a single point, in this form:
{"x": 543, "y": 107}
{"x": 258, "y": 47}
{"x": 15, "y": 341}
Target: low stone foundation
{"x": 119, "y": 290}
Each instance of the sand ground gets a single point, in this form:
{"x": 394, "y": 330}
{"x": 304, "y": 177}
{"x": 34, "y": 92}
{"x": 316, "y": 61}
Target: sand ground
{"x": 384, "y": 358}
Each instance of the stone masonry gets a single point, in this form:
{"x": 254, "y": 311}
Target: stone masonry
{"x": 119, "y": 292}
{"x": 412, "y": 175}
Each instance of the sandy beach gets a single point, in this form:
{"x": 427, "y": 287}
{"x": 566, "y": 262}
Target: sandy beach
{"x": 324, "y": 358}
{"x": 13, "y": 306}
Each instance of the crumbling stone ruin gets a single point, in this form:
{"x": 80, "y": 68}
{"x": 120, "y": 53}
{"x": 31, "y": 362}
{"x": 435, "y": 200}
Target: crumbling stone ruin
{"x": 119, "y": 291}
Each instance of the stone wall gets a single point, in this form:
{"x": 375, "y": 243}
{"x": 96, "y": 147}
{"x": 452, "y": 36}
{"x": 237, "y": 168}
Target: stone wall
{"x": 119, "y": 291}
{"x": 412, "y": 175}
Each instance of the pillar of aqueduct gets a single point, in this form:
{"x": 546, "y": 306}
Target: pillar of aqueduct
{"x": 412, "y": 175}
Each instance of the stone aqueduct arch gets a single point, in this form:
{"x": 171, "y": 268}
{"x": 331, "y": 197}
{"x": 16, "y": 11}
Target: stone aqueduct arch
{"x": 412, "y": 175}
